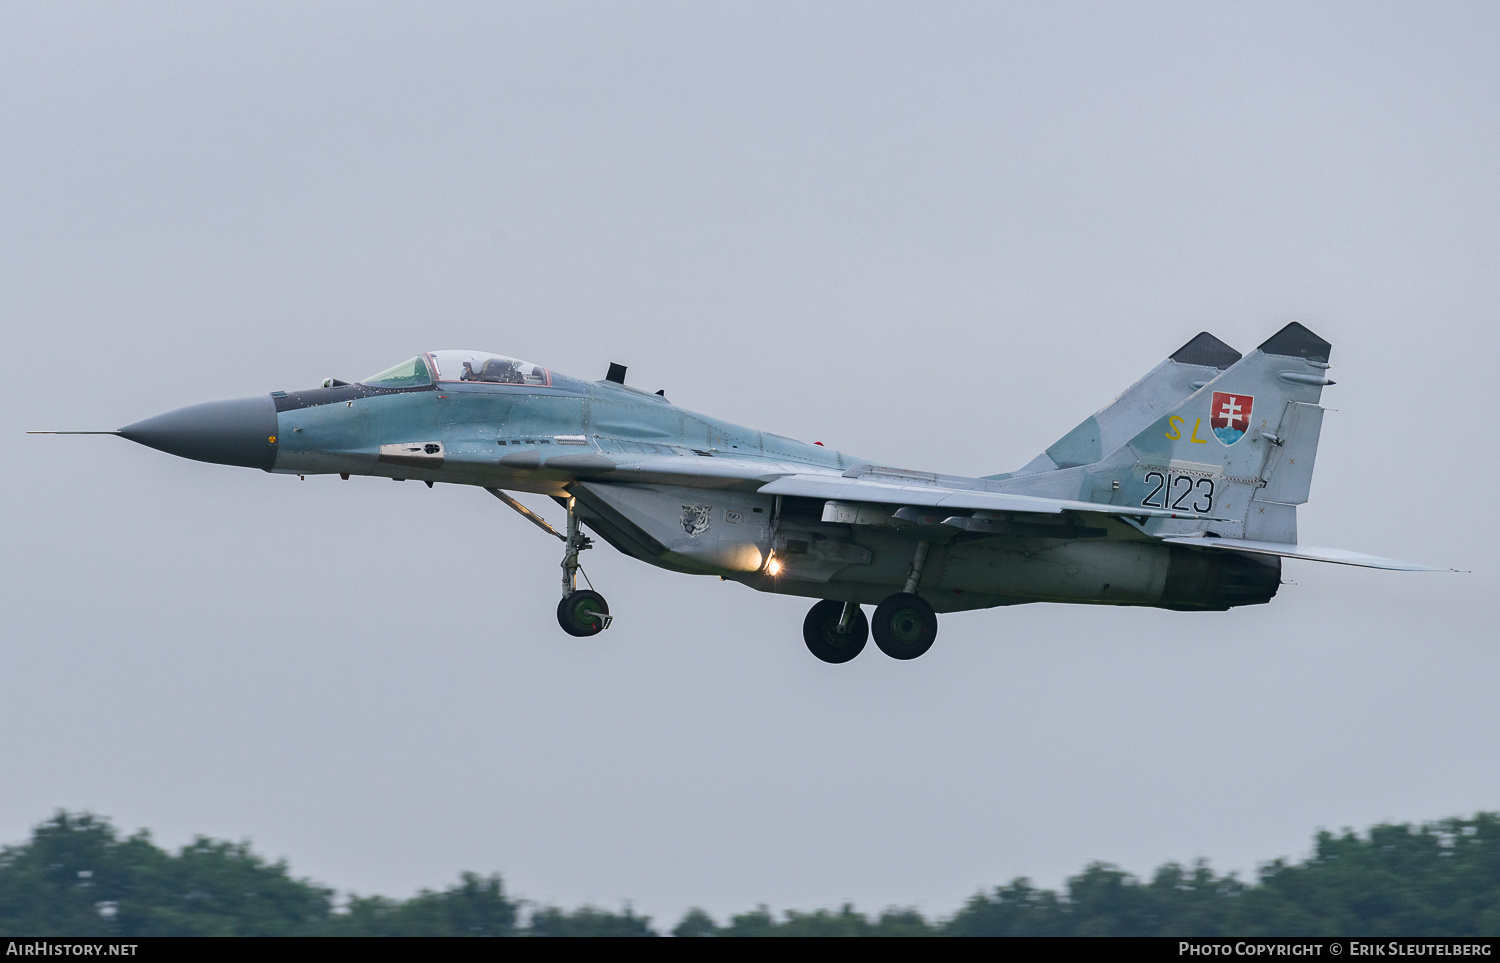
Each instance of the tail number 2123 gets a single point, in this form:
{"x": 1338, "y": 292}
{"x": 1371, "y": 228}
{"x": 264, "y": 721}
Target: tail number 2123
{"x": 1179, "y": 493}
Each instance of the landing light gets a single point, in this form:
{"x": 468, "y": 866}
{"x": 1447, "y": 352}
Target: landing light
{"x": 773, "y": 567}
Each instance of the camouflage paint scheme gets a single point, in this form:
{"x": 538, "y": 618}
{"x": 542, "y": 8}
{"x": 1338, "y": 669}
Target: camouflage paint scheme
{"x": 1181, "y": 494}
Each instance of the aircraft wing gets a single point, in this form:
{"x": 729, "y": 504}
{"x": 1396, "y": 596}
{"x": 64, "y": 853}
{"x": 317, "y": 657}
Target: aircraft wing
{"x": 1312, "y": 553}
{"x": 786, "y": 478}
{"x": 841, "y": 488}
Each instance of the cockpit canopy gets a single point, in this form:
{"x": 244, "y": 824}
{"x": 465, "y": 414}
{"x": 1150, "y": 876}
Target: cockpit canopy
{"x": 476, "y": 366}
{"x": 489, "y": 368}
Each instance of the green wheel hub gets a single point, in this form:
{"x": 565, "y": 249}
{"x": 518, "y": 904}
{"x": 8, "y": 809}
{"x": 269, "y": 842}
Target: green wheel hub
{"x": 583, "y": 613}
{"x": 904, "y": 626}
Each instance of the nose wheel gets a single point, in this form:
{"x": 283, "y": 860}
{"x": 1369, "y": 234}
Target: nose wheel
{"x": 583, "y": 613}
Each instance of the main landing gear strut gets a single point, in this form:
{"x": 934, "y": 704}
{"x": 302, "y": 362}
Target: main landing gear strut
{"x": 904, "y": 625}
{"x": 581, "y": 612}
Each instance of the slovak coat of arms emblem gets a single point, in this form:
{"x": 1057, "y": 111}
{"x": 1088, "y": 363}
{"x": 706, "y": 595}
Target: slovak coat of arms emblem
{"x": 1229, "y": 416}
{"x": 696, "y": 519}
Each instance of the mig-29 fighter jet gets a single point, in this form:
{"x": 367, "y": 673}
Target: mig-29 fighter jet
{"x": 1181, "y": 494}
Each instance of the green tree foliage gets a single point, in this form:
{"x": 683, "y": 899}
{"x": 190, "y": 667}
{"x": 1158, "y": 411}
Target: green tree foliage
{"x": 77, "y": 877}
{"x": 696, "y": 923}
{"x": 1439, "y": 879}
{"x": 845, "y": 922}
{"x": 477, "y": 906}
{"x": 588, "y": 921}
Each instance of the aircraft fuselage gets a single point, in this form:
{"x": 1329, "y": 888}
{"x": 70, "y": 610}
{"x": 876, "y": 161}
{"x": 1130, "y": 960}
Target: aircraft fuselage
{"x": 679, "y": 490}
{"x": 1182, "y": 493}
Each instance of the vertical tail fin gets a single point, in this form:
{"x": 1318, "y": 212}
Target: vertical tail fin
{"x": 1187, "y": 369}
{"x": 1240, "y": 448}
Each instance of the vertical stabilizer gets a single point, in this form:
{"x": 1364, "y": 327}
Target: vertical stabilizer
{"x": 1240, "y": 448}
{"x": 1187, "y": 369}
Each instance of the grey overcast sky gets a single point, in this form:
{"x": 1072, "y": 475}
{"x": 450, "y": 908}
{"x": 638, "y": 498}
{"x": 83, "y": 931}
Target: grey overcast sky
{"x": 935, "y": 235}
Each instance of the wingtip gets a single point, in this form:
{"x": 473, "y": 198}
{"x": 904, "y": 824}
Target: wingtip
{"x": 1296, "y": 341}
{"x": 1206, "y": 350}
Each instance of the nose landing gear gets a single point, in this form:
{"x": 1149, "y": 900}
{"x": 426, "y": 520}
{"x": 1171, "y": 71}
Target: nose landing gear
{"x": 582, "y": 612}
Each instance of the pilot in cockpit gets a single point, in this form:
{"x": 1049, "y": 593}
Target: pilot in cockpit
{"x": 495, "y": 371}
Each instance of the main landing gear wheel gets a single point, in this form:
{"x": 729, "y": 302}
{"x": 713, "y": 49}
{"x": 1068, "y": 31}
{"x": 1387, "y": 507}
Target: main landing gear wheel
{"x": 904, "y": 626}
{"x": 583, "y": 613}
{"x": 830, "y": 641}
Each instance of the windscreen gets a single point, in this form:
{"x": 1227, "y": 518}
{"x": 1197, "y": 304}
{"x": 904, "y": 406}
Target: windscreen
{"x": 407, "y": 374}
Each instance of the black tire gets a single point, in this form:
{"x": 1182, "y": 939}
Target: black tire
{"x": 905, "y": 626}
{"x": 579, "y": 613}
{"x": 820, "y": 630}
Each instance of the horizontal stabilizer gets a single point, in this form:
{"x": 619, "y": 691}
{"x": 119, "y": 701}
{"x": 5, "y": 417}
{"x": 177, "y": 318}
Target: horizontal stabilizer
{"x": 1337, "y": 556}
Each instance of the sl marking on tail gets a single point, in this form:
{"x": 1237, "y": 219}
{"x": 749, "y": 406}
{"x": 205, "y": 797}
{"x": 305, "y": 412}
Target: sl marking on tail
{"x": 1174, "y": 430}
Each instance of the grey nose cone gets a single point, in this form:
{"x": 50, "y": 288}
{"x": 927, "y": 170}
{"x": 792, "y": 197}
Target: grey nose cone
{"x": 238, "y": 432}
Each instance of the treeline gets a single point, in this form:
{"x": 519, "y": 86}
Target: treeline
{"x": 77, "y": 877}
